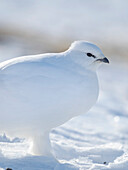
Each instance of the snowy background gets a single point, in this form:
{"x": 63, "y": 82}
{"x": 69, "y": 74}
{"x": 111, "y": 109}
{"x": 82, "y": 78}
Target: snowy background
{"x": 98, "y": 139}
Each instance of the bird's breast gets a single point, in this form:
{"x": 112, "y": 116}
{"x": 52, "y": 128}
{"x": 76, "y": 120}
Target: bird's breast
{"x": 50, "y": 96}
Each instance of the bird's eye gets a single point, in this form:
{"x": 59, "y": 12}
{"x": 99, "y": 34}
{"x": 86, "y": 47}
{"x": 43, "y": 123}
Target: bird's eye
{"x": 91, "y": 55}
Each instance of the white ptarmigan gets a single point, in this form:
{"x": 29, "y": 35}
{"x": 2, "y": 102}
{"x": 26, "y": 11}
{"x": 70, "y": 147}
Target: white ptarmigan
{"x": 40, "y": 92}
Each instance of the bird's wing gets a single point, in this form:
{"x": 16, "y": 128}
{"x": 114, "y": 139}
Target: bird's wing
{"x": 32, "y": 77}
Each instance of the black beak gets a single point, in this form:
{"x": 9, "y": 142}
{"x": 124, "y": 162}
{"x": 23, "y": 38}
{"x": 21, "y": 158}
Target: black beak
{"x": 105, "y": 60}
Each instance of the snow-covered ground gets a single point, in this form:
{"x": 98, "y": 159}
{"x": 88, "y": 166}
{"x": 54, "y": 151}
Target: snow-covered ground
{"x": 95, "y": 140}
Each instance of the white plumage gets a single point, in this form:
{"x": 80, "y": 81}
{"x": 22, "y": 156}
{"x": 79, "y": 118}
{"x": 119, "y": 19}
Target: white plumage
{"x": 40, "y": 92}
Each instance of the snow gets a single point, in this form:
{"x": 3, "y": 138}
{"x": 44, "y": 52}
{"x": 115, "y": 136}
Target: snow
{"x": 96, "y": 140}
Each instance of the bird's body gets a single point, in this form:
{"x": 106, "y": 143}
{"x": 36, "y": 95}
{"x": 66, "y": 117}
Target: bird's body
{"x": 38, "y": 93}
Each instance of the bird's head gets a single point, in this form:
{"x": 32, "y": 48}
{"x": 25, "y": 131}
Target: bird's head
{"x": 87, "y": 54}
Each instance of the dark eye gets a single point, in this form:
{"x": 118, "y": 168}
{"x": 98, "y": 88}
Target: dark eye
{"x": 91, "y": 55}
